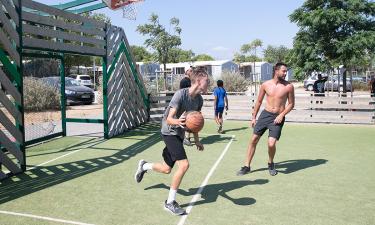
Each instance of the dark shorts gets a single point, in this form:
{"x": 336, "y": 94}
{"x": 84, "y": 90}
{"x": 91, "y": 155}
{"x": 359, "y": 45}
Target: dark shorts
{"x": 219, "y": 110}
{"x": 266, "y": 121}
{"x": 174, "y": 149}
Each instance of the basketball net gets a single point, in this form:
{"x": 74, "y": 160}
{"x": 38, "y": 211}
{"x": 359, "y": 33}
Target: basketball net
{"x": 130, "y": 11}
{"x": 129, "y": 7}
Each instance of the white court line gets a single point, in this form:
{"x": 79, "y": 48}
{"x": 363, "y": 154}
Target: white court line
{"x": 204, "y": 183}
{"x": 62, "y": 156}
{"x": 54, "y": 159}
{"x": 43, "y": 218}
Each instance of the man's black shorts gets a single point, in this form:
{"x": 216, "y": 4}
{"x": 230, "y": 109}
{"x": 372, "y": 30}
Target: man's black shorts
{"x": 266, "y": 121}
{"x": 174, "y": 149}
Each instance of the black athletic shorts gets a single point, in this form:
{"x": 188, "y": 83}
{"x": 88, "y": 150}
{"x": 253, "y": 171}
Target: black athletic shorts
{"x": 174, "y": 149}
{"x": 266, "y": 121}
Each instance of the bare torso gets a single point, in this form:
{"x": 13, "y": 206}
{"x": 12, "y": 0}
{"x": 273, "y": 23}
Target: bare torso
{"x": 276, "y": 95}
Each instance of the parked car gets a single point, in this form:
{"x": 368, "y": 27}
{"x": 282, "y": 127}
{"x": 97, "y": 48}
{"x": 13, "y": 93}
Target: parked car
{"x": 330, "y": 84}
{"x": 75, "y": 93}
{"x": 83, "y": 79}
{"x": 333, "y": 84}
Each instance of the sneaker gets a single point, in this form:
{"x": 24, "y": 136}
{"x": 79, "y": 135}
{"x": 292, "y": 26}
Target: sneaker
{"x": 244, "y": 170}
{"x": 174, "y": 208}
{"x": 187, "y": 142}
{"x": 140, "y": 171}
{"x": 220, "y": 129}
{"x": 271, "y": 169}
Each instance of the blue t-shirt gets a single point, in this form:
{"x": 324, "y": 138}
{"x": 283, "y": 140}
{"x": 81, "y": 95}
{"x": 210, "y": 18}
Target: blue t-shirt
{"x": 220, "y": 94}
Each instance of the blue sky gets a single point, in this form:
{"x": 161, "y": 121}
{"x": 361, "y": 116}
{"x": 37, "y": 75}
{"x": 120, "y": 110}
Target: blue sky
{"x": 217, "y": 28}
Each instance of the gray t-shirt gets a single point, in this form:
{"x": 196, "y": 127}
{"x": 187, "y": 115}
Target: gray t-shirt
{"x": 182, "y": 102}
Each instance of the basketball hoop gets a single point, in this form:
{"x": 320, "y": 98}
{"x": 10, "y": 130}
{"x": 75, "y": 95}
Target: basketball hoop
{"x": 129, "y": 7}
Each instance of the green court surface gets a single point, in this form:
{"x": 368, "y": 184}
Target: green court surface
{"x": 326, "y": 176}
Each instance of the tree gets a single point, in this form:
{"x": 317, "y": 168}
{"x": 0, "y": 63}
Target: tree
{"x": 252, "y": 48}
{"x": 274, "y": 54}
{"x": 160, "y": 40}
{"x": 179, "y": 55}
{"x": 249, "y": 48}
{"x": 141, "y": 54}
{"x": 239, "y": 58}
{"x": 203, "y": 57}
{"x": 333, "y": 33}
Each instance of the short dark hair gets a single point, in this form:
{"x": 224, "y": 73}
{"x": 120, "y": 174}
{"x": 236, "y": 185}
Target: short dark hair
{"x": 219, "y": 83}
{"x": 198, "y": 72}
{"x": 278, "y": 65}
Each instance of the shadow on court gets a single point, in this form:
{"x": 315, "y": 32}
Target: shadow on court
{"x": 46, "y": 176}
{"x": 92, "y": 141}
{"x": 80, "y": 145}
{"x": 291, "y": 166}
{"x": 234, "y": 129}
{"x": 211, "y": 192}
{"x": 214, "y": 139}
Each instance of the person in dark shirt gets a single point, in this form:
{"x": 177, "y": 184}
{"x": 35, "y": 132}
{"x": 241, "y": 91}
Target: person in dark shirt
{"x": 372, "y": 86}
{"x": 186, "y": 83}
{"x": 318, "y": 87}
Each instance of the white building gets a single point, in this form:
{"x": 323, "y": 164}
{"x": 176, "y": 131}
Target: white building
{"x": 213, "y": 68}
{"x": 263, "y": 70}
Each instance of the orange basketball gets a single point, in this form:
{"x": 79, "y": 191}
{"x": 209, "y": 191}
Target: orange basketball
{"x": 194, "y": 121}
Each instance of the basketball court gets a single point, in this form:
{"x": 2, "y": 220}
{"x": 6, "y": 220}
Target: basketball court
{"x": 325, "y": 171}
{"x": 324, "y": 178}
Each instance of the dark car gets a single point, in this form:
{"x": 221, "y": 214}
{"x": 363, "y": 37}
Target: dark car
{"x": 75, "y": 93}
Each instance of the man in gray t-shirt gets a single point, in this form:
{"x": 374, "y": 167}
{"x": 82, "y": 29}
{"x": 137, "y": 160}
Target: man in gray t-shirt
{"x": 184, "y": 100}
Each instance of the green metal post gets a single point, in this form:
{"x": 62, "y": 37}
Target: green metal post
{"x": 20, "y": 106}
{"x": 104, "y": 85}
{"x": 62, "y": 95}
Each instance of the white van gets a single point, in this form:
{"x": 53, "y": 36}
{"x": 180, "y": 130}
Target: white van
{"x": 83, "y": 79}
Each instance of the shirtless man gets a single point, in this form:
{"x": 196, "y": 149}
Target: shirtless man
{"x": 278, "y": 91}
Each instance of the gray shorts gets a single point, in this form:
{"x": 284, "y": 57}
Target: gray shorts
{"x": 266, "y": 121}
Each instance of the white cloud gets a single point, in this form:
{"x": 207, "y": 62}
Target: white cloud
{"x": 220, "y": 49}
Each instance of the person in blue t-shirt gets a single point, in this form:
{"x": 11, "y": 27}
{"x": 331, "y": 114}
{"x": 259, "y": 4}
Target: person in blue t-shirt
{"x": 220, "y": 102}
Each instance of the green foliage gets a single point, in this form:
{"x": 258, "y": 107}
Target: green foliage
{"x": 274, "y": 54}
{"x": 333, "y": 33}
{"x": 251, "y": 49}
{"x": 41, "y": 68}
{"x": 38, "y": 96}
{"x": 160, "y": 39}
{"x": 76, "y": 60}
{"x": 141, "y": 54}
{"x": 239, "y": 58}
{"x": 299, "y": 74}
{"x": 100, "y": 17}
{"x": 234, "y": 82}
{"x": 179, "y": 55}
{"x": 203, "y": 57}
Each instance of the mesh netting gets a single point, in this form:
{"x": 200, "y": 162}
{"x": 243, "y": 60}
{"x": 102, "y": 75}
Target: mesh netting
{"x": 130, "y": 11}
